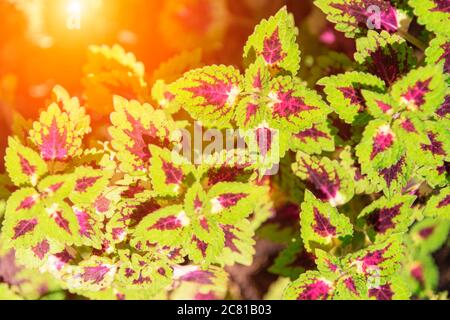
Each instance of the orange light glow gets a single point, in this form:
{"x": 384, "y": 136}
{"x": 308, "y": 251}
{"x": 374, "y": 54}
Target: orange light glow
{"x": 74, "y": 9}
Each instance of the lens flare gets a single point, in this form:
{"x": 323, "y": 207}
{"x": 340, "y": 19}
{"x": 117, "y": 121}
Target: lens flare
{"x": 74, "y": 9}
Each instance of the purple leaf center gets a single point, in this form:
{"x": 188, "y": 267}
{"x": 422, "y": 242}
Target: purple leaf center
{"x": 445, "y": 202}
{"x": 318, "y": 290}
{"x": 27, "y": 203}
{"x": 41, "y": 249}
{"x": 416, "y": 94}
{"x": 383, "y": 292}
{"x": 322, "y": 225}
{"x": 272, "y": 49}
{"x": 54, "y": 143}
{"x": 173, "y": 175}
{"x": 231, "y": 199}
{"x": 392, "y": 173}
{"x": 354, "y": 95}
{"x": 441, "y": 5}
{"x": 382, "y": 142}
{"x": 24, "y": 227}
{"x": 359, "y": 10}
{"x": 230, "y": 237}
{"x": 201, "y": 245}
{"x": 26, "y": 166}
{"x": 95, "y": 274}
{"x": 215, "y": 94}
{"x": 444, "y": 109}
{"x": 381, "y": 220}
{"x": 408, "y": 126}
{"x": 425, "y": 233}
{"x": 85, "y": 183}
{"x": 435, "y": 146}
{"x": 312, "y": 133}
{"x": 167, "y": 223}
{"x": 289, "y": 105}
{"x": 85, "y": 226}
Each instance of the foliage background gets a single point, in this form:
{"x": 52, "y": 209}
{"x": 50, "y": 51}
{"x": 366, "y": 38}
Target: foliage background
{"x": 37, "y": 52}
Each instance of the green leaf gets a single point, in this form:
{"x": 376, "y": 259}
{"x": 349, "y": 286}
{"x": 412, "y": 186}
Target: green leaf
{"x": 344, "y": 93}
{"x": 230, "y": 202}
{"x": 25, "y": 167}
{"x": 422, "y": 274}
{"x": 191, "y": 282}
{"x": 6, "y": 294}
{"x": 58, "y": 221}
{"x": 57, "y": 187}
{"x": 430, "y": 235}
{"x": 310, "y": 286}
{"x": 382, "y": 156}
{"x": 326, "y": 178}
{"x": 436, "y": 176}
{"x": 292, "y": 106}
{"x": 92, "y": 274}
{"x": 351, "y": 287}
{"x": 209, "y": 94}
{"x": 39, "y": 255}
{"x": 134, "y": 127}
{"x": 166, "y": 175}
{"x": 411, "y": 130}
{"x": 293, "y": 260}
{"x": 353, "y": 168}
{"x": 313, "y": 140}
{"x": 148, "y": 272}
{"x": 274, "y": 40}
{"x": 385, "y": 217}
{"x": 390, "y": 289}
{"x": 355, "y": 17}
{"x": 385, "y": 55}
{"x": 379, "y": 105}
{"x": 321, "y": 224}
{"x": 89, "y": 184}
{"x": 90, "y": 227}
{"x": 433, "y": 14}
{"x": 328, "y": 265}
{"x": 251, "y": 110}
{"x": 378, "y": 261}
{"x": 436, "y": 149}
{"x": 166, "y": 99}
{"x": 429, "y": 147}
{"x": 206, "y": 241}
{"x": 167, "y": 226}
{"x": 438, "y": 205}
{"x": 20, "y": 227}
{"x": 239, "y": 244}
{"x": 421, "y": 91}
{"x": 61, "y": 128}
{"x": 437, "y": 53}
{"x": 29, "y": 220}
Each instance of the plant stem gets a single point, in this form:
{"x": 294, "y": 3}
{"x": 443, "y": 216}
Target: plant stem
{"x": 413, "y": 40}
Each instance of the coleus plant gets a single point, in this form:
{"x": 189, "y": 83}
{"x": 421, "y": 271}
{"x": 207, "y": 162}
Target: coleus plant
{"x": 360, "y": 200}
